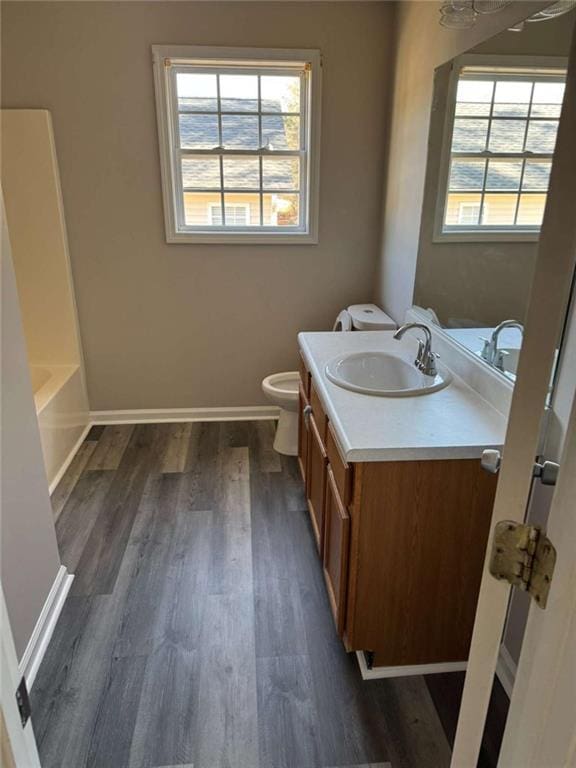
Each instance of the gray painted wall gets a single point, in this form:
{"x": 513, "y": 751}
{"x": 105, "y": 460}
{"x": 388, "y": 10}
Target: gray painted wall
{"x": 193, "y": 325}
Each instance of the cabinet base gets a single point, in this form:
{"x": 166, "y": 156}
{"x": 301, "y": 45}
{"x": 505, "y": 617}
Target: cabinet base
{"x": 415, "y": 669}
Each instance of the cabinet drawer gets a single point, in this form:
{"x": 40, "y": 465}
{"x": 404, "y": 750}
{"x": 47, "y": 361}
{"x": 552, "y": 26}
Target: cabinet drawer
{"x": 318, "y": 412}
{"x": 304, "y": 375}
{"x": 341, "y": 469}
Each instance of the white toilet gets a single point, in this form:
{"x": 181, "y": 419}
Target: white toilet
{"x": 282, "y": 390}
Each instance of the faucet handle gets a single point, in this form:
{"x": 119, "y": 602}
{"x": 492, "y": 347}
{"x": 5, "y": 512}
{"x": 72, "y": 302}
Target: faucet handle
{"x": 486, "y": 353}
{"x": 426, "y": 362}
{"x": 430, "y": 368}
{"x": 420, "y": 354}
{"x": 499, "y": 359}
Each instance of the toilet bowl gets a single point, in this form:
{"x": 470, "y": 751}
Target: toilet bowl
{"x": 282, "y": 390}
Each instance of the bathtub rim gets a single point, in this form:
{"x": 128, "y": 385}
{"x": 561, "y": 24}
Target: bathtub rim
{"x": 59, "y": 376}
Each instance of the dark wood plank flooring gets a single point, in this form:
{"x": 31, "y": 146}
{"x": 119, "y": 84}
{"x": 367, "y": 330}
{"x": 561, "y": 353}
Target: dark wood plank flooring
{"x": 446, "y": 691}
{"x": 198, "y": 631}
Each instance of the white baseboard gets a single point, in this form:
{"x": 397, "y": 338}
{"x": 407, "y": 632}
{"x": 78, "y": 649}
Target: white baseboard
{"x": 160, "y": 415}
{"x": 60, "y": 474}
{"x": 377, "y": 673}
{"x": 36, "y": 648}
{"x": 506, "y": 670}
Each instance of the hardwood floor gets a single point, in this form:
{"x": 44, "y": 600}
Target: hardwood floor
{"x": 198, "y": 631}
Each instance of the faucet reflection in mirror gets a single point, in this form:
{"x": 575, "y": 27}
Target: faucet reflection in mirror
{"x": 493, "y": 354}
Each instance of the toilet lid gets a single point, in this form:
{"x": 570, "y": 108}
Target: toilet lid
{"x": 369, "y": 317}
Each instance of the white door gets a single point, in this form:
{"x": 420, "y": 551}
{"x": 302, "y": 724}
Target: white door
{"x": 549, "y": 299}
{"x": 22, "y": 744}
{"x": 541, "y": 727}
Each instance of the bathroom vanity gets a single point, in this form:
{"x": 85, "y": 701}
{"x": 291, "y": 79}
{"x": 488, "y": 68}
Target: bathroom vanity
{"x": 399, "y": 505}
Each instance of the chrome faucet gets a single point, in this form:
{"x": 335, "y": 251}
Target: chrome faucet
{"x": 490, "y": 351}
{"x": 425, "y": 359}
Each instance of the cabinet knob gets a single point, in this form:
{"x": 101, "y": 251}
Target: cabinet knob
{"x": 307, "y": 412}
{"x": 491, "y": 460}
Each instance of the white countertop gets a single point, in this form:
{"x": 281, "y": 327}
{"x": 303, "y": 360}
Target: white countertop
{"x": 454, "y": 423}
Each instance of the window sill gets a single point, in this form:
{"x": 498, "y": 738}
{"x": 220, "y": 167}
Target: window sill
{"x": 235, "y": 238}
{"x": 486, "y": 237}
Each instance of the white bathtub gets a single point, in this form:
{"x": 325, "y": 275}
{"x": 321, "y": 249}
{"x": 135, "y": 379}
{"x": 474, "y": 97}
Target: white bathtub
{"x": 62, "y": 410}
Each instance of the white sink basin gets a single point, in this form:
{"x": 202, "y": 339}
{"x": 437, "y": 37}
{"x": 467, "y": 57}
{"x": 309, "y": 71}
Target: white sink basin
{"x": 379, "y": 373}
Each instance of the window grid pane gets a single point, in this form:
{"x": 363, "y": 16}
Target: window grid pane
{"x": 514, "y": 118}
{"x": 260, "y": 144}
{"x": 228, "y": 117}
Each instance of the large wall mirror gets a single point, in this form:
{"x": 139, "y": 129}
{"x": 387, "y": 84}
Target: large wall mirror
{"x": 492, "y": 135}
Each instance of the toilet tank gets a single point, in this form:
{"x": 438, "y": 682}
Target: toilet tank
{"x": 369, "y": 317}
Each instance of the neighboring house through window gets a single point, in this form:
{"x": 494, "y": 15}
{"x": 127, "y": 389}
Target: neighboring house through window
{"x": 501, "y": 132}
{"x": 238, "y": 135}
{"x": 237, "y": 215}
{"x": 468, "y": 213}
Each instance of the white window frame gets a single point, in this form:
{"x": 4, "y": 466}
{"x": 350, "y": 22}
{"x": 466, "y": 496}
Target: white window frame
{"x": 477, "y": 235}
{"x": 170, "y": 57}
{"x": 218, "y": 207}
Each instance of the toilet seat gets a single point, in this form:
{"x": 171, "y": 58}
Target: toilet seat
{"x": 283, "y": 389}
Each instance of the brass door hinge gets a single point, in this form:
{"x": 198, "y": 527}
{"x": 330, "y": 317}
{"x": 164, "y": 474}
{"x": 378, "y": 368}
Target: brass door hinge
{"x": 524, "y": 557}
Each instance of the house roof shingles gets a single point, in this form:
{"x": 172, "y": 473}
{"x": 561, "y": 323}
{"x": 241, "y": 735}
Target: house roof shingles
{"x": 503, "y": 175}
{"x": 239, "y": 131}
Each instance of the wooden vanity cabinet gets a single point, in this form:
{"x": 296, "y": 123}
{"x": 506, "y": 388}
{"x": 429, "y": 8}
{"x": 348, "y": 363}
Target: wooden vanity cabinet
{"x": 418, "y": 539}
{"x": 402, "y": 545}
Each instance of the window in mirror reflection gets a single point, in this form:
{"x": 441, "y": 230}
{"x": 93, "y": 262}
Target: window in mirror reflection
{"x": 503, "y": 134}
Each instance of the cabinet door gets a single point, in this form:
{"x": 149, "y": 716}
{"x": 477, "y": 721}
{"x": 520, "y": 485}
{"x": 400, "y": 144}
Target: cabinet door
{"x": 303, "y": 433}
{"x": 316, "y": 481}
{"x": 336, "y": 548}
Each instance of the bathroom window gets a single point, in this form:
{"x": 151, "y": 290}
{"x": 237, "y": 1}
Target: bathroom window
{"x": 498, "y": 151}
{"x": 239, "y": 132}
